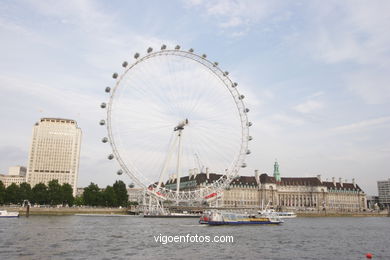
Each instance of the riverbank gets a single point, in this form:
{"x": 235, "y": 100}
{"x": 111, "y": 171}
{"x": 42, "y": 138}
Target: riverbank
{"x": 67, "y": 211}
{"x": 125, "y": 211}
{"x": 343, "y": 214}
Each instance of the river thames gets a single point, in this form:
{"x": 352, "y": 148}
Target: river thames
{"x": 133, "y": 237}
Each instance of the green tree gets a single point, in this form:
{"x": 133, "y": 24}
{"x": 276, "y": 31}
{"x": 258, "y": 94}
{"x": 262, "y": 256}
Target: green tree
{"x": 54, "y": 192}
{"x": 121, "y": 195}
{"x": 40, "y": 194}
{"x": 67, "y": 194}
{"x": 79, "y": 200}
{"x": 25, "y": 192}
{"x": 109, "y": 197}
{"x": 92, "y": 195}
{"x": 12, "y": 194}
{"x": 2, "y": 193}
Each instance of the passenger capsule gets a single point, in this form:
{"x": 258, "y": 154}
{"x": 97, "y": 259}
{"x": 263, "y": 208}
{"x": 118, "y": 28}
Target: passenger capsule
{"x": 124, "y": 64}
{"x": 248, "y": 152}
{"x": 110, "y": 157}
{"x": 150, "y": 49}
{"x": 177, "y": 47}
{"x": 102, "y": 122}
{"x": 246, "y": 110}
{"x": 241, "y": 97}
{"x": 108, "y": 89}
{"x": 226, "y": 73}
{"x": 243, "y": 165}
{"x": 103, "y": 105}
{"x": 235, "y": 84}
{"x": 163, "y": 47}
{"x": 215, "y": 64}
{"x": 250, "y": 124}
{"x": 250, "y": 138}
{"x": 136, "y": 56}
{"x": 204, "y": 56}
{"x": 119, "y": 172}
{"x": 115, "y": 75}
{"x": 104, "y": 139}
{"x": 191, "y": 50}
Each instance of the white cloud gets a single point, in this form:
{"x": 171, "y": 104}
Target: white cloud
{"x": 376, "y": 122}
{"x": 371, "y": 86}
{"x": 237, "y": 14}
{"x": 288, "y": 119}
{"x": 351, "y": 31}
{"x": 308, "y": 106}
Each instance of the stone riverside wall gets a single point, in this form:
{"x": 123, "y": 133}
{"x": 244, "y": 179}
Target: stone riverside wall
{"x": 66, "y": 211}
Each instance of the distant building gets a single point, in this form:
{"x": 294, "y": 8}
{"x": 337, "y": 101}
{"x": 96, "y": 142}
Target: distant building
{"x": 373, "y": 202}
{"x": 288, "y": 193}
{"x": 16, "y": 174}
{"x": 384, "y": 193}
{"x": 54, "y": 152}
{"x": 135, "y": 194}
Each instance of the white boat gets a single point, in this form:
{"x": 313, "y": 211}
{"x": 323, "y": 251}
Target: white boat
{"x": 230, "y": 218}
{"x": 280, "y": 214}
{"x": 6, "y": 214}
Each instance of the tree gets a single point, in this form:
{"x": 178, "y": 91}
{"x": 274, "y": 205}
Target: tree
{"x": 54, "y": 192}
{"x": 121, "y": 195}
{"x": 109, "y": 197}
{"x": 12, "y": 194}
{"x": 79, "y": 200}
{"x": 25, "y": 191}
{"x": 92, "y": 195}
{"x": 67, "y": 194}
{"x": 2, "y": 193}
{"x": 40, "y": 194}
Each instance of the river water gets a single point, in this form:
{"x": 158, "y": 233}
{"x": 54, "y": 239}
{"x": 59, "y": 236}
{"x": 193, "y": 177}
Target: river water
{"x": 133, "y": 237}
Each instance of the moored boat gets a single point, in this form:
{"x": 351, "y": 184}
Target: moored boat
{"x": 230, "y": 218}
{"x": 281, "y": 214}
{"x": 6, "y": 214}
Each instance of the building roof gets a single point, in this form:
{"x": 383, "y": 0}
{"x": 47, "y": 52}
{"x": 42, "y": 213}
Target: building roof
{"x": 291, "y": 181}
{"x": 346, "y": 186}
{"x": 57, "y": 119}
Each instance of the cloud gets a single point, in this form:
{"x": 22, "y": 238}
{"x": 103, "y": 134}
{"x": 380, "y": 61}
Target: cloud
{"x": 231, "y": 14}
{"x": 288, "y": 119}
{"x": 376, "y": 122}
{"x": 308, "y": 106}
{"x": 372, "y": 86}
{"x": 350, "y": 31}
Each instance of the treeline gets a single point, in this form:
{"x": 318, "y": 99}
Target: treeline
{"x": 112, "y": 196}
{"x": 57, "y": 194}
{"x": 51, "y": 194}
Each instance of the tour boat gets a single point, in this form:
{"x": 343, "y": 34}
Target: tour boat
{"x": 230, "y": 218}
{"x": 6, "y": 214}
{"x": 286, "y": 214}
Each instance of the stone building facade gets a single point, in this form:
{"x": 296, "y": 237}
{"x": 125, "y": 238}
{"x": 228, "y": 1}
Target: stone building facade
{"x": 284, "y": 193}
{"x": 16, "y": 174}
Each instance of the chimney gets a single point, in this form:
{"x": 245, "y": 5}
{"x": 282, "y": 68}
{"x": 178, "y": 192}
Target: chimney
{"x": 257, "y": 177}
{"x": 196, "y": 171}
{"x": 341, "y": 182}
{"x": 319, "y": 177}
{"x": 207, "y": 173}
{"x": 353, "y": 182}
{"x": 334, "y": 181}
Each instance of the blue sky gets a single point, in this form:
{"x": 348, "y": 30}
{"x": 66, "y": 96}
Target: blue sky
{"x": 315, "y": 74}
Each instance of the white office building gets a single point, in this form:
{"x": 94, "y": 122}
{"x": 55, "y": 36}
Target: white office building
{"x": 54, "y": 152}
{"x": 384, "y": 192}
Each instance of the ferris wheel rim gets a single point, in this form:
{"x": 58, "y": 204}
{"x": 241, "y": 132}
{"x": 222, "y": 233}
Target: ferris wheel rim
{"x": 231, "y": 86}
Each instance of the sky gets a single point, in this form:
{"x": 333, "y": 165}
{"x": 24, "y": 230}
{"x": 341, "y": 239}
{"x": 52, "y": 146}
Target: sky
{"x": 315, "y": 75}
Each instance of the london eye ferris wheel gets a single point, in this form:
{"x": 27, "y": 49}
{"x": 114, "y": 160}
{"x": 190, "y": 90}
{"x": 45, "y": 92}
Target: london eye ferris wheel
{"x": 172, "y": 113}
